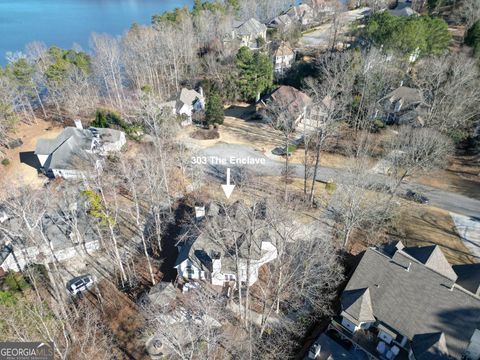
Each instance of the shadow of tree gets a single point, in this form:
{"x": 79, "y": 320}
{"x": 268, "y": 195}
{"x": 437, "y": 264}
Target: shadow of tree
{"x": 458, "y": 325}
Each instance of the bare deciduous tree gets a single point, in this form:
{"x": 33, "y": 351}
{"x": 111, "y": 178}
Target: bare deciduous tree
{"x": 450, "y": 84}
{"x": 417, "y": 151}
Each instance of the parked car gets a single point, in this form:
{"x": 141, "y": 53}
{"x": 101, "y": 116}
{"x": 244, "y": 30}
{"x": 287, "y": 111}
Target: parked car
{"x": 417, "y": 197}
{"x": 79, "y": 284}
{"x": 189, "y": 286}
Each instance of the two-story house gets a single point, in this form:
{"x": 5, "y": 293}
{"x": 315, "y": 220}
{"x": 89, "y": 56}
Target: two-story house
{"x": 203, "y": 258}
{"x": 248, "y": 32}
{"x": 283, "y": 58}
{"x": 404, "y": 106}
{"x": 186, "y": 104}
{"x": 411, "y": 303}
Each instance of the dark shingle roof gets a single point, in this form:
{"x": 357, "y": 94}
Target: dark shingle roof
{"x": 358, "y": 304}
{"x": 200, "y": 248}
{"x": 468, "y": 277}
{"x": 431, "y": 346}
{"x": 433, "y": 258}
{"x": 251, "y": 27}
{"x": 73, "y": 146}
{"x": 417, "y": 301}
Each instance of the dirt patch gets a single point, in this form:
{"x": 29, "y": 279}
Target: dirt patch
{"x": 205, "y": 134}
{"x": 21, "y": 171}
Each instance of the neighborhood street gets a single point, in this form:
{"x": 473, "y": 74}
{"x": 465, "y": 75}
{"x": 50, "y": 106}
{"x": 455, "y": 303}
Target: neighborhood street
{"x": 452, "y": 202}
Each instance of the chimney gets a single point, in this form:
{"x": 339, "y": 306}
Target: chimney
{"x": 401, "y": 83}
{"x": 78, "y": 124}
{"x": 200, "y": 90}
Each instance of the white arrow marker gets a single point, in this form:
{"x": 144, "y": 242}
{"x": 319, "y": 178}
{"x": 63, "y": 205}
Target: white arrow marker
{"x": 228, "y": 189}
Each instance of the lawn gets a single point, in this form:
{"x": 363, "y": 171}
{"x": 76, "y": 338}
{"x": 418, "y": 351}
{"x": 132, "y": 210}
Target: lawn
{"x": 420, "y": 225}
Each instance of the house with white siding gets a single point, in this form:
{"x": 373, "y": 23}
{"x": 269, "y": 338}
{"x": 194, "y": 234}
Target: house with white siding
{"x": 60, "y": 235}
{"x": 203, "y": 258}
{"x": 73, "y": 153}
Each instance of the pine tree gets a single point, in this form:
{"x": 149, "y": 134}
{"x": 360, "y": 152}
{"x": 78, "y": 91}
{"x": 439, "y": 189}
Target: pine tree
{"x": 214, "y": 109}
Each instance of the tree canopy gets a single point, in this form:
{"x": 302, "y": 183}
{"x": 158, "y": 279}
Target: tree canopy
{"x": 214, "y": 108}
{"x": 255, "y": 72}
{"x": 407, "y": 34}
{"x": 62, "y": 60}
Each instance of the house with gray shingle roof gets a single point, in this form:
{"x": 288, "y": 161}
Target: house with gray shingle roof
{"x": 404, "y": 106}
{"x": 59, "y": 236}
{"x": 410, "y": 302}
{"x": 249, "y": 31}
{"x": 202, "y": 257}
{"x": 187, "y": 103}
{"x": 73, "y": 152}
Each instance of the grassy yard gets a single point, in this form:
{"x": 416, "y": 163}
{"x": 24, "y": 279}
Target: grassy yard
{"x": 420, "y": 225}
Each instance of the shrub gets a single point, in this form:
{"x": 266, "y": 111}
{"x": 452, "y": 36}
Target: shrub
{"x": 15, "y": 282}
{"x": 472, "y": 38}
{"x": 7, "y": 298}
{"x": 291, "y": 149}
{"x": 5, "y": 162}
{"x": 377, "y": 125}
{"x": 330, "y": 187}
{"x": 105, "y": 118}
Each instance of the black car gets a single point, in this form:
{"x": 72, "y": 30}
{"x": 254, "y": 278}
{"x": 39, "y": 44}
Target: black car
{"x": 419, "y": 198}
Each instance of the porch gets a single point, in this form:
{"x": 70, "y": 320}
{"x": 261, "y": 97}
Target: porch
{"x": 367, "y": 341}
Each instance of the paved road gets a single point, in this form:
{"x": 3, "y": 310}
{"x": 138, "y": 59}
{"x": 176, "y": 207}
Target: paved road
{"x": 322, "y": 35}
{"x": 221, "y": 156}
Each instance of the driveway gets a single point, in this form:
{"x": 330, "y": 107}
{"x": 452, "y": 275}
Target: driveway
{"x": 267, "y": 166}
{"x": 322, "y": 36}
{"x": 469, "y": 230}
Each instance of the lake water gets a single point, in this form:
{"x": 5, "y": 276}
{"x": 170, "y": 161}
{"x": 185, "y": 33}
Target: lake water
{"x": 67, "y": 22}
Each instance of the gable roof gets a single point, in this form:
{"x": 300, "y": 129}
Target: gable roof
{"x": 431, "y": 346}
{"x": 187, "y": 97}
{"x": 417, "y": 301}
{"x": 468, "y": 277}
{"x": 201, "y": 249}
{"x": 251, "y": 27}
{"x": 404, "y": 11}
{"x": 48, "y": 146}
{"x": 281, "y": 20}
{"x": 290, "y": 98}
{"x": 358, "y": 304}
{"x": 405, "y": 94}
{"x": 300, "y": 11}
{"x": 282, "y": 49}
{"x": 433, "y": 258}
{"x": 74, "y": 145}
